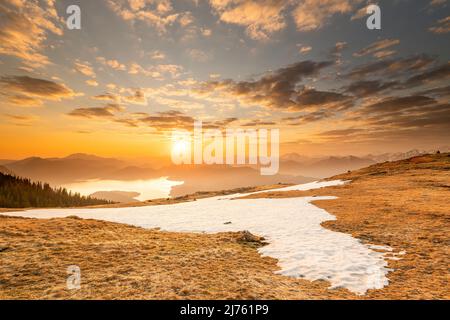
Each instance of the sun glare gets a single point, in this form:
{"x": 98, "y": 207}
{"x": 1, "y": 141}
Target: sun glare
{"x": 180, "y": 147}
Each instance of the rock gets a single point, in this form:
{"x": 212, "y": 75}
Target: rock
{"x": 247, "y": 236}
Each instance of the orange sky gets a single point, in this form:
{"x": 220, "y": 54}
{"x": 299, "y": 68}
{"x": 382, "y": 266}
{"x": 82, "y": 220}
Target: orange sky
{"x": 138, "y": 69}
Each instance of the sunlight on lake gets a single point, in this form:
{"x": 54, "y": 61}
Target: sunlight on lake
{"x": 148, "y": 189}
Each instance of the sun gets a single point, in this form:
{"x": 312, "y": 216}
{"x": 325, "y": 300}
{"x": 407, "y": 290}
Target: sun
{"x": 180, "y": 147}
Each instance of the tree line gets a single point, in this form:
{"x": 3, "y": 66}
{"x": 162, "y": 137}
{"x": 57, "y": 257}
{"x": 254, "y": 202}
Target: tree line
{"x": 16, "y": 192}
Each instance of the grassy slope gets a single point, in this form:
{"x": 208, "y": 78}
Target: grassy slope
{"x": 403, "y": 204}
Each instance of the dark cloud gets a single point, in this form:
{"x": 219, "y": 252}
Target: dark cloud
{"x": 340, "y": 132}
{"x": 439, "y": 73}
{"x": 336, "y": 51}
{"x": 395, "y": 104}
{"x": 311, "y": 98}
{"x": 137, "y": 98}
{"x": 107, "y": 97}
{"x": 364, "y": 88}
{"x": 307, "y": 118}
{"x": 107, "y": 111}
{"x": 34, "y": 87}
{"x": 422, "y": 118}
{"x": 277, "y": 90}
{"x": 258, "y": 123}
{"x": 413, "y": 114}
{"x": 437, "y": 92}
{"x": 25, "y": 101}
{"x": 391, "y": 67}
{"x": 168, "y": 120}
{"x": 442, "y": 26}
{"x": 376, "y": 47}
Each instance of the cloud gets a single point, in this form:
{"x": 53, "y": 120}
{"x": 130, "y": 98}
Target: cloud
{"x": 263, "y": 18}
{"x": 442, "y": 26}
{"x": 438, "y": 92}
{"x": 112, "y": 63}
{"x": 364, "y": 88}
{"x": 168, "y": 120}
{"x": 107, "y": 97}
{"x": 92, "y": 83}
{"x": 276, "y": 90}
{"x": 395, "y": 118}
{"x": 24, "y": 27}
{"x": 206, "y": 32}
{"x": 377, "y": 46}
{"x": 21, "y": 120}
{"x": 138, "y": 97}
{"x": 156, "y": 13}
{"x": 312, "y": 98}
{"x": 412, "y": 112}
{"x": 84, "y": 68}
{"x": 340, "y": 132}
{"x": 24, "y": 101}
{"x": 304, "y": 49}
{"x": 437, "y": 2}
{"x": 362, "y": 12}
{"x": 35, "y": 88}
{"x": 107, "y": 111}
{"x": 185, "y": 19}
{"x": 156, "y": 72}
{"x": 439, "y": 73}
{"x": 258, "y": 123}
{"x": 391, "y": 67}
{"x": 314, "y": 14}
{"x": 260, "y": 18}
{"x": 336, "y": 51}
{"x": 198, "y": 55}
{"x": 340, "y": 46}
{"x": 307, "y": 118}
{"x": 395, "y": 104}
{"x": 131, "y": 96}
{"x": 157, "y": 55}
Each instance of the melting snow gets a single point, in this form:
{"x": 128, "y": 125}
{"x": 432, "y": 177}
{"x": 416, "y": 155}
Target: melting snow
{"x": 291, "y": 226}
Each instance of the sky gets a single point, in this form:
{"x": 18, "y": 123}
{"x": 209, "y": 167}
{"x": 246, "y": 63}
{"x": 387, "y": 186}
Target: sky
{"x": 138, "y": 69}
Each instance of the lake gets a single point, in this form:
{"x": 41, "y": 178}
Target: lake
{"x": 148, "y": 189}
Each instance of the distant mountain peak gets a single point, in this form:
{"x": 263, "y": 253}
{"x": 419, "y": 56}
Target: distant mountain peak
{"x": 83, "y": 156}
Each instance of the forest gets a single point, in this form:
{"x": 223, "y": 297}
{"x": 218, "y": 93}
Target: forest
{"x": 16, "y": 192}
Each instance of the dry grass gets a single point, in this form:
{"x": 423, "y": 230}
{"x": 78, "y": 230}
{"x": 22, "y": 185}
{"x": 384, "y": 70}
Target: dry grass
{"x": 404, "y": 205}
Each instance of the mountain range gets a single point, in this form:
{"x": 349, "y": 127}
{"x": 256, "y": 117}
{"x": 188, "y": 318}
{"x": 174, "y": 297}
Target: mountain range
{"x": 294, "y": 168}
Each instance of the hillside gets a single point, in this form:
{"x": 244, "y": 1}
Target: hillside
{"x": 402, "y": 204}
{"x": 5, "y": 170}
{"x": 322, "y": 168}
{"x": 22, "y": 193}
